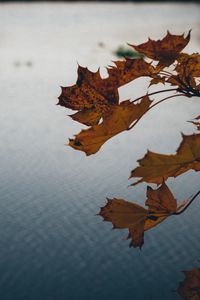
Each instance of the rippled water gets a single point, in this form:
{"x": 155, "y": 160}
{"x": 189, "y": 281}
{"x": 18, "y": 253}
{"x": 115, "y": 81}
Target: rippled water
{"x": 53, "y": 247}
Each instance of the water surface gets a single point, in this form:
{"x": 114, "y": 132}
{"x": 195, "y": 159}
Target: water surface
{"x": 52, "y": 244}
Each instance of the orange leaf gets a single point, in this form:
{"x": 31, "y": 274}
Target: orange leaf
{"x": 155, "y": 167}
{"x": 166, "y": 51}
{"x": 117, "y": 119}
{"x": 123, "y": 214}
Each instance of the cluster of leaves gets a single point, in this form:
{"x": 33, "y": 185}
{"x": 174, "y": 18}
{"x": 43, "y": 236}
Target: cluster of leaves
{"x": 96, "y": 99}
{"x": 97, "y": 104}
{"x": 161, "y": 204}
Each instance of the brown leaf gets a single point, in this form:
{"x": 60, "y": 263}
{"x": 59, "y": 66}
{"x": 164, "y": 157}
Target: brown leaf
{"x": 189, "y": 288}
{"x": 161, "y": 199}
{"x": 157, "y": 79}
{"x": 92, "y": 95}
{"x": 187, "y": 74}
{"x": 155, "y": 167}
{"x": 123, "y": 214}
{"x": 91, "y": 116}
{"x": 90, "y": 85}
{"x": 117, "y": 119}
{"x": 166, "y": 51}
{"x": 189, "y": 65}
{"x": 125, "y": 71}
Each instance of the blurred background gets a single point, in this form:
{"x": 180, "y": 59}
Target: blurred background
{"x": 53, "y": 246}
{"x": 105, "y": 1}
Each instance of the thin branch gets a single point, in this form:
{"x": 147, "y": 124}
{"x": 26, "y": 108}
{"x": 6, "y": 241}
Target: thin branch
{"x": 167, "y": 72}
{"x": 162, "y": 100}
{"x": 154, "y": 93}
{"x": 169, "y": 97}
{"x": 188, "y": 204}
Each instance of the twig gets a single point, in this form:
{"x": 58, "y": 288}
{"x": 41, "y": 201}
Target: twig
{"x": 154, "y": 93}
{"x": 190, "y": 202}
{"x": 169, "y": 97}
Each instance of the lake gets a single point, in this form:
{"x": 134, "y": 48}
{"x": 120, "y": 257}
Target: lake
{"x": 53, "y": 246}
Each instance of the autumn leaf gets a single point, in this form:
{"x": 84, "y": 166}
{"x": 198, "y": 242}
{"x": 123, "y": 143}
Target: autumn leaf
{"x": 92, "y": 95}
{"x": 187, "y": 73}
{"x": 137, "y": 219}
{"x": 127, "y": 70}
{"x": 97, "y": 103}
{"x": 91, "y": 90}
{"x": 165, "y": 51}
{"x": 158, "y": 79}
{"x": 89, "y": 96}
{"x": 117, "y": 119}
{"x": 189, "y": 288}
{"x": 155, "y": 167}
{"x": 189, "y": 65}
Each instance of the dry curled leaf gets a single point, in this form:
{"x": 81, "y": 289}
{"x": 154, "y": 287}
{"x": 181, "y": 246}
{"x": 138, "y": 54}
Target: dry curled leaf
{"x": 137, "y": 219}
{"x": 155, "y": 167}
{"x": 189, "y": 288}
{"x": 166, "y": 51}
{"x": 187, "y": 74}
{"x": 117, "y": 119}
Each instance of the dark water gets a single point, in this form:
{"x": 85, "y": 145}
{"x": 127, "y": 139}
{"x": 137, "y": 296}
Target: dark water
{"x": 53, "y": 247}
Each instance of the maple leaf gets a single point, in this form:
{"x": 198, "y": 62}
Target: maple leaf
{"x": 189, "y": 288}
{"x": 165, "y": 51}
{"x": 89, "y": 96}
{"x": 92, "y": 95}
{"x": 127, "y": 70}
{"x": 190, "y": 63}
{"x": 155, "y": 167}
{"x": 137, "y": 219}
{"x": 117, "y": 119}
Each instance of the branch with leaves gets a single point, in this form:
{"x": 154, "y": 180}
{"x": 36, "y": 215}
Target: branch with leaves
{"x": 97, "y": 105}
{"x": 96, "y": 99}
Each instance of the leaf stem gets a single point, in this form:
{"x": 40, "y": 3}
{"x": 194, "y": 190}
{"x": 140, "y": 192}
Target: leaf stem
{"x": 166, "y": 72}
{"x": 166, "y": 98}
{"x": 162, "y": 100}
{"x": 154, "y": 93}
{"x": 188, "y": 204}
